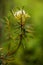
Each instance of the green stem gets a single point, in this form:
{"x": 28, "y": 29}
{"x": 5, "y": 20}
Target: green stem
{"x": 21, "y": 37}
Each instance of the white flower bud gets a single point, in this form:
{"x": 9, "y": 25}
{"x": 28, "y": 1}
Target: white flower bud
{"x": 21, "y": 13}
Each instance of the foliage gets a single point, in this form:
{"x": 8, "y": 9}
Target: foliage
{"x": 21, "y": 35}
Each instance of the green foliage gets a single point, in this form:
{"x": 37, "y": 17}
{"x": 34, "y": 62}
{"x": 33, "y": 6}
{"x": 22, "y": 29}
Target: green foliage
{"x": 30, "y": 49}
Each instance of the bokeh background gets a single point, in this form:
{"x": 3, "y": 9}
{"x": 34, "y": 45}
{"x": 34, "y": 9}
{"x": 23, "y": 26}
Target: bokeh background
{"x": 32, "y": 54}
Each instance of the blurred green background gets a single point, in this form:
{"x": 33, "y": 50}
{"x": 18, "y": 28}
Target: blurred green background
{"x": 33, "y": 52}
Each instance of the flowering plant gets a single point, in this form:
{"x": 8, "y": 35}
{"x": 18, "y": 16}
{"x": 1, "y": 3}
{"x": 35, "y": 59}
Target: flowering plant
{"x": 20, "y": 16}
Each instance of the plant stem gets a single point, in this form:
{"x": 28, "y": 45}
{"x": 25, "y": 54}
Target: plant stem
{"x": 21, "y": 37}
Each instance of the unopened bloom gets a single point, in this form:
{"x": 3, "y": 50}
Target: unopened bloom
{"x": 21, "y": 14}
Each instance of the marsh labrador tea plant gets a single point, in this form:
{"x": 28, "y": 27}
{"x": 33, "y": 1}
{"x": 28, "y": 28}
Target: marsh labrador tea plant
{"x": 23, "y": 30}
